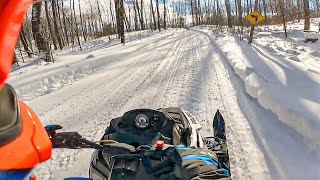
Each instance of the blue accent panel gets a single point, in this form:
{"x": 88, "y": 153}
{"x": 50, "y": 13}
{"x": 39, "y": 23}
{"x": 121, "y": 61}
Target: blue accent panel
{"x": 226, "y": 172}
{"x": 15, "y": 175}
{"x": 206, "y": 159}
{"x": 48, "y": 126}
{"x": 183, "y": 147}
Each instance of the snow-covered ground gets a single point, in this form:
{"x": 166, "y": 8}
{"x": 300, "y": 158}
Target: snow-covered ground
{"x": 284, "y": 75}
{"x": 173, "y": 68}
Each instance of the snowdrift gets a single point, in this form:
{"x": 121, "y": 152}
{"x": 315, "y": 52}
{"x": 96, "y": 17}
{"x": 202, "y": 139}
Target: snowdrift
{"x": 280, "y": 84}
{"x": 33, "y": 78}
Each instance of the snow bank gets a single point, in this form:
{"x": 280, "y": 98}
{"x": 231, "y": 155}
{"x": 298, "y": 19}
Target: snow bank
{"x": 280, "y": 84}
{"x": 46, "y": 83}
{"x": 33, "y": 79}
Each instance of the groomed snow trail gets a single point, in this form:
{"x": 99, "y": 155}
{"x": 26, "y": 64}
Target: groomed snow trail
{"x": 175, "y": 68}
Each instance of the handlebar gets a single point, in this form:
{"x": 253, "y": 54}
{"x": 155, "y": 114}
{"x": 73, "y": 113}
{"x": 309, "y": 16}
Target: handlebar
{"x": 145, "y": 153}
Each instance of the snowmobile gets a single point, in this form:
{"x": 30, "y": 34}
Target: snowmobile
{"x": 141, "y": 144}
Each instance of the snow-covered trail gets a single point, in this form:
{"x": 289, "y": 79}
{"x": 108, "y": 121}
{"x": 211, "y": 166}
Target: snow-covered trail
{"x": 176, "y": 68}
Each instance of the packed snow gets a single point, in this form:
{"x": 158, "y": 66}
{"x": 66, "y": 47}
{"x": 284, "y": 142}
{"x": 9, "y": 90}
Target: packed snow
{"x": 200, "y": 71}
{"x": 283, "y": 75}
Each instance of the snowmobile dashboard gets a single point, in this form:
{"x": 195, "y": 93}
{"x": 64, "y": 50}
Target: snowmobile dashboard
{"x": 143, "y": 121}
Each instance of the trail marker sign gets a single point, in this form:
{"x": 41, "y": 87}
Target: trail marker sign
{"x": 255, "y": 17}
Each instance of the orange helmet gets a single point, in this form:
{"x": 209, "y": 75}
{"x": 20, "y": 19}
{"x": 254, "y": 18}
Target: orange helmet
{"x": 11, "y": 17}
{"x": 24, "y": 142}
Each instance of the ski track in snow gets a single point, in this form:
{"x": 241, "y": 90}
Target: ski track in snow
{"x": 180, "y": 68}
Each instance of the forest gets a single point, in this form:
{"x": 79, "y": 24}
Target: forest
{"x": 52, "y": 25}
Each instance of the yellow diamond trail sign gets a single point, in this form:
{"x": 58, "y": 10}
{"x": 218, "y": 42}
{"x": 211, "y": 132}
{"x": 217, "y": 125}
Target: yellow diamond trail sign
{"x": 255, "y": 17}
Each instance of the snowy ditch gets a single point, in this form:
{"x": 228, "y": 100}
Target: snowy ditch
{"x": 269, "y": 82}
{"x": 71, "y": 66}
{"x": 48, "y": 83}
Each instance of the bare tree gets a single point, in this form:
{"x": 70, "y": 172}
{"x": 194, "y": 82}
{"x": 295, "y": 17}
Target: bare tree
{"x": 100, "y": 16}
{"x": 84, "y": 33}
{"x": 42, "y": 44}
{"x": 164, "y": 15}
{"x": 24, "y": 43}
{"x": 50, "y": 26}
{"x": 192, "y": 12}
{"x": 64, "y": 24}
{"x": 317, "y": 7}
{"x": 61, "y": 25}
{"x": 143, "y": 27}
{"x": 135, "y": 17}
{"x": 281, "y": 2}
{"x": 71, "y": 24}
{"x": 76, "y": 25}
{"x": 228, "y": 8}
{"x": 120, "y": 19}
{"x": 140, "y": 15}
{"x": 154, "y": 17}
{"x": 264, "y": 10}
{"x": 239, "y": 12}
{"x": 306, "y": 14}
{"x": 158, "y": 14}
{"x": 55, "y": 23}
{"x": 112, "y": 16}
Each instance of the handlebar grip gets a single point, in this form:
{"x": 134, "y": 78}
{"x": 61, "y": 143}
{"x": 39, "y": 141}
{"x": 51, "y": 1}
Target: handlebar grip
{"x": 66, "y": 140}
{"x": 51, "y": 129}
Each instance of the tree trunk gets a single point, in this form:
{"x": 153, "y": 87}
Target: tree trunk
{"x": 236, "y": 8}
{"x": 306, "y": 14}
{"x": 15, "y": 59}
{"x": 248, "y": 7}
{"x": 192, "y": 12}
{"x": 71, "y": 24}
{"x": 25, "y": 44}
{"x": 265, "y": 11}
{"x": 54, "y": 41}
{"x": 42, "y": 44}
{"x": 20, "y": 53}
{"x": 100, "y": 16}
{"x": 130, "y": 17}
{"x": 128, "y": 25}
{"x": 164, "y": 15}
{"x": 158, "y": 13}
{"x": 61, "y": 25}
{"x": 81, "y": 24}
{"x": 120, "y": 19}
{"x": 199, "y": 13}
{"x": 28, "y": 37}
{"x": 196, "y": 12}
{"x": 64, "y": 24}
{"x": 55, "y": 23}
{"x": 271, "y": 7}
{"x": 139, "y": 14}
{"x": 117, "y": 9}
{"x": 281, "y": 2}
{"x": 153, "y": 15}
{"x": 135, "y": 17}
{"x": 228, "y": 8}
{"x": 76, "y": 25}
{"x": 143, "y": 27}
{"x": 112, "y": 16}
{"x": 317, "y": 8}
{"x": 239, "y": 12}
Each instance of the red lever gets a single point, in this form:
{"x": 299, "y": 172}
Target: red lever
{"x": 159, "y": 144}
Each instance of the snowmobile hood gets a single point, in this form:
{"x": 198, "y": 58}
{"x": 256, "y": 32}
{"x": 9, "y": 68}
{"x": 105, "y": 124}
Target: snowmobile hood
{"x": 11, "y": 17}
